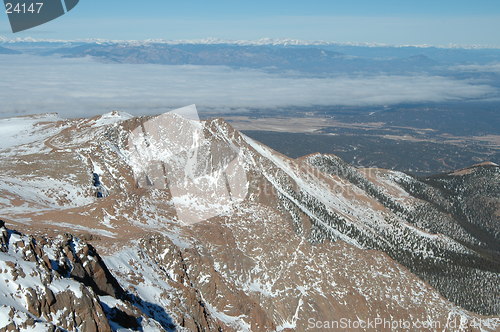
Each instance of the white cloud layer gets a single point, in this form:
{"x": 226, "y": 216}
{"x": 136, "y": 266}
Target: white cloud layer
{"x": 82, "y": 87}
{"x": 488, "y": 68}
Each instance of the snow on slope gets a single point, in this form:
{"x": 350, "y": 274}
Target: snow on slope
{"x": 175, "y": 152}
{"x": 23, "y": 130}
{"x": 24, "y": 280}
{"x": 245, "y": 266}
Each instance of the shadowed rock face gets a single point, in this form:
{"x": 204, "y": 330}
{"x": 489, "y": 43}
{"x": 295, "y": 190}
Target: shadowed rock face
{"x": 264, "y": 242}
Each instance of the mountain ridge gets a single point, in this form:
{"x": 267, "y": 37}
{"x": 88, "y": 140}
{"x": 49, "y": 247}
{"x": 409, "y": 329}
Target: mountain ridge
{"x": 205, "y": 191}
{"x": 262, "y": 41}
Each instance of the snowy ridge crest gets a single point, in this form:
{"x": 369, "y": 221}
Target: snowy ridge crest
{"x": 173, "y": 151}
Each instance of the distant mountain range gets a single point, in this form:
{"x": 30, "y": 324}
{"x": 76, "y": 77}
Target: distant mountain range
{"x": 4, "y": 50}
{"x": 261, "y": 41}
{"x": 316, "y": 58}
{"x": 305, "y": 59}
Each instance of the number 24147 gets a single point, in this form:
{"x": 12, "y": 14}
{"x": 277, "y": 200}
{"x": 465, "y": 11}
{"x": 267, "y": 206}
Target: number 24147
{"x": 23, "y": 8}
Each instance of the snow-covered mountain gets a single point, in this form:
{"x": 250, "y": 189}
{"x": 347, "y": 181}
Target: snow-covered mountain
{"x": 184, "y": 224}
{"x": 242, "y": 42}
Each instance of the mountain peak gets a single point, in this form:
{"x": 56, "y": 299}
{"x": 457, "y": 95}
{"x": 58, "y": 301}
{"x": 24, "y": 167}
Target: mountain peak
{"x": 470, "y": 169}
{"x": 170, "y": 198}
{"x": 486, "y": 164}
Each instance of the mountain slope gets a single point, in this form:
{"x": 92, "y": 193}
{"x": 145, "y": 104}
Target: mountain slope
{"x": 209, "y": 229}
{"x": 444, "y": 235}
{"x": 4, "y": 50}
{"x": 61, "y": 283}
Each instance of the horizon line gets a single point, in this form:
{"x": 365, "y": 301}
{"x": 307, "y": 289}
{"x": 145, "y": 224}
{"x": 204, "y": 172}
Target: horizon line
{"x": 243, "y": 42}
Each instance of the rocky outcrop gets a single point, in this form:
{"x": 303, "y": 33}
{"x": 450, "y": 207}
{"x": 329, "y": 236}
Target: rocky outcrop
{"x": 36, "y": 280}
{"x": 83, "y": 264}
{"x": 62, "y": 283}
{"x": 188, "y": 270}
{"x": 4, "y": 237}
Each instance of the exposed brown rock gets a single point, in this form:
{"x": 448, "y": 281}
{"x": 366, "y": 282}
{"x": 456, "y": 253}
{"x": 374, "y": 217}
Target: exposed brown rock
{"x": 262, "y": 264}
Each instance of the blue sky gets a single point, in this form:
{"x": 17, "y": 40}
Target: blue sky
{"x": 438, "y": 22}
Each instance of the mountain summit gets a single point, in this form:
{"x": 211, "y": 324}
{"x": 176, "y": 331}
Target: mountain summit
{"x": 184, "y": 224}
